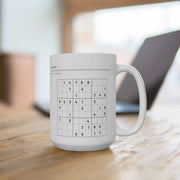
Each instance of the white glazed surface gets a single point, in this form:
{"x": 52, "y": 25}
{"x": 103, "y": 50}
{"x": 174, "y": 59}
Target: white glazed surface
{"x": 83, "y": 66}
{"x": 91, "y": 66}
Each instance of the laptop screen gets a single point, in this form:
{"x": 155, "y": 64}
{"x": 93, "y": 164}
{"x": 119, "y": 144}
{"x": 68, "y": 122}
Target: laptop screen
{"x": 153, "y": 61}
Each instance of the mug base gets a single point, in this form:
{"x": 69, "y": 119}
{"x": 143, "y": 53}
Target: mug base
{"x": 82, "y": 148}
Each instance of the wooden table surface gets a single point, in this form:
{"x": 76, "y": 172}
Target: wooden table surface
{"x": 27, "y": 153}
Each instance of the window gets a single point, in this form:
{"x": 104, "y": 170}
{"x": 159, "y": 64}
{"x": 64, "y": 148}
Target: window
{"x": 122, "y": 30}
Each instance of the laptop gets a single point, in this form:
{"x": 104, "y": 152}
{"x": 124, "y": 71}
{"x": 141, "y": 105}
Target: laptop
{"x": 153, "y": 61}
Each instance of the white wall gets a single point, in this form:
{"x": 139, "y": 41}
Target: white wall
{"x": 33, "y": 27}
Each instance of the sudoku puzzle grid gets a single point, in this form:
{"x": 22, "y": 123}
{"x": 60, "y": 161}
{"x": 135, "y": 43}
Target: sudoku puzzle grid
{"x": 82, "y": 107}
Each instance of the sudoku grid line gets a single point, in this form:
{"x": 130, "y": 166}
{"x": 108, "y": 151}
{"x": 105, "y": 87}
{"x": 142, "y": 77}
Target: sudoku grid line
{"x": 81, "y": 107}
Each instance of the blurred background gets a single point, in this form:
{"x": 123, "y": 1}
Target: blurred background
{"x": 30, "y": 31}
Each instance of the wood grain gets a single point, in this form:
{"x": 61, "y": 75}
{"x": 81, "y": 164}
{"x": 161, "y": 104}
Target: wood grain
{"x": 27, "y": 153}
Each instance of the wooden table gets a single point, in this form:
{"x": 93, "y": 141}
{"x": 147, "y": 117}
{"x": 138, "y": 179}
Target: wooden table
{"x": 27, "y": 153}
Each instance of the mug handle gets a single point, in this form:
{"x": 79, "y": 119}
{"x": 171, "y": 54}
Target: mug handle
{"x": 142, "y": 100}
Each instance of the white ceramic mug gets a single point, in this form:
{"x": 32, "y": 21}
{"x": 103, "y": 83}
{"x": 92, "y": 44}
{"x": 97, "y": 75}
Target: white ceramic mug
{"x": 83, "y": 97}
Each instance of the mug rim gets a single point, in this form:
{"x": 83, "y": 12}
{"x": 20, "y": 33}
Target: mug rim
{"x": 83, "y": 53}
